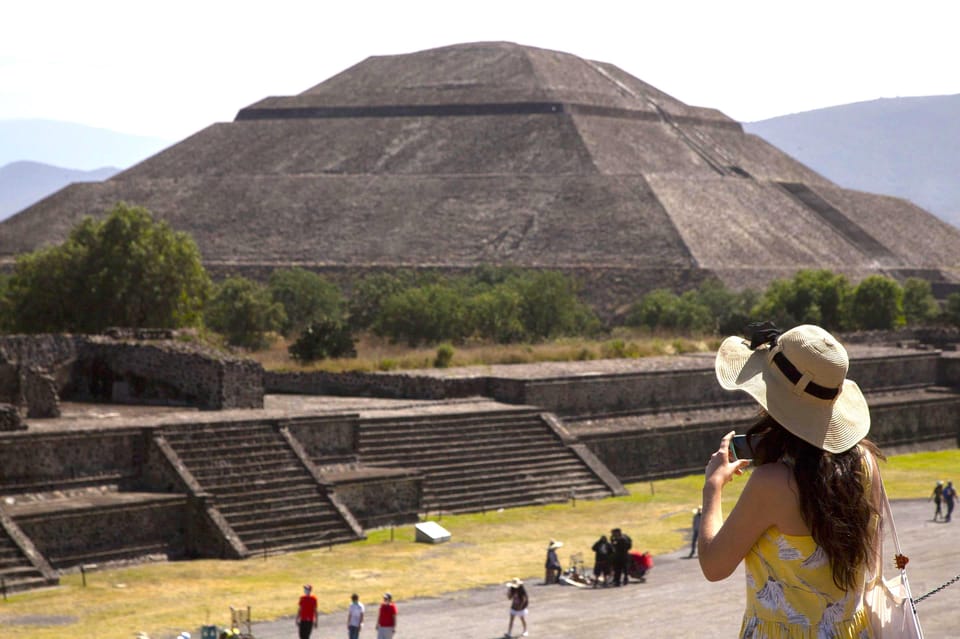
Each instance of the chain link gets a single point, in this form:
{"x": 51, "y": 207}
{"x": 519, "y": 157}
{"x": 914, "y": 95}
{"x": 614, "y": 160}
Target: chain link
{"x": 937, "y": 589}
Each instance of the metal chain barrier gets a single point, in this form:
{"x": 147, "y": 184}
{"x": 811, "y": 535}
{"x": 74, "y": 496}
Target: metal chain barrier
{"x": 937, "y": 589}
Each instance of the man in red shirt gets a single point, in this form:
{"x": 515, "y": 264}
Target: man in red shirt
{"x": 307, "y": 612}
{"x": 387, "y": 619}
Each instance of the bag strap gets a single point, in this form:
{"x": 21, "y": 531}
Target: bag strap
{"x": 900, "y": 558}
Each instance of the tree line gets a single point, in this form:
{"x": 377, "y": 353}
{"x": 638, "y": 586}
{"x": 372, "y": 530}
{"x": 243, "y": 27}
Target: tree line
{"x": 128, "y": 269}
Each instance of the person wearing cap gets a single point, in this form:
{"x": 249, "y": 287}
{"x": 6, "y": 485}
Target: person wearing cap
{"x": 519, "y": 601}
{"x": 306, "y": 619}
{"x": 552, "y": 564}
{"x": 937, "y": 499}
{"x": 387, "y": 618}
{"x": 354, "y": 617}
{"x": 805, "y": 524}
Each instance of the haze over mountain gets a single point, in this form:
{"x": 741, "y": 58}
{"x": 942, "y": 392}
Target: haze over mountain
{"x": 907, "y": 147}
{"x": 40, "y": 157}
{"x": 73, "y": 146}
{"x": 23, "y": 183}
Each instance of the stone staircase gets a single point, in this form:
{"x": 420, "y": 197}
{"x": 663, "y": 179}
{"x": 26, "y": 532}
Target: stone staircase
{"x": 480, "y": 460}
{"x": 17, "y": 572}
{"x": 261, "y": 487}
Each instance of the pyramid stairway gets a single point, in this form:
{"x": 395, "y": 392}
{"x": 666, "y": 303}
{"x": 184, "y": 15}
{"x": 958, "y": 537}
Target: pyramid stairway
{"x": 480, "y": 461}
{"x": 261, "y": 487}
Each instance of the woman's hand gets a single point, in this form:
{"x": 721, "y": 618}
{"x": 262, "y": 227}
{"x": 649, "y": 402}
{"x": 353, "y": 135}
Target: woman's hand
{"x": 720, "y": 470}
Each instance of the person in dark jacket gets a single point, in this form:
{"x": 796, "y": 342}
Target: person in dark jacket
{"x": 552, "y": 564}
{"x": 602, "y": 551}
{"x": 621, "y": 544}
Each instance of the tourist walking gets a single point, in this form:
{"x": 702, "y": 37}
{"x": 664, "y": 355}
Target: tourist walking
{"x": 601, "y": 561}
{"x": 695, "y": 528}
{"x": 949, "y": 496}
{"x": 519, "y": 601}
{"x": 814, "y": 474}
{"x": 354, "y": 617}
{"x": 387, "y": 618}
{"x": 937, "y": 499}
{"x": 621, "y": 544}
{"x": 307, "y": 612}
{"x": 552, "y": 564}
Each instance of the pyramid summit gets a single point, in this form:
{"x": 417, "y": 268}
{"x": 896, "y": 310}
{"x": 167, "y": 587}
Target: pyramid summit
{"x": 498, "y": 153}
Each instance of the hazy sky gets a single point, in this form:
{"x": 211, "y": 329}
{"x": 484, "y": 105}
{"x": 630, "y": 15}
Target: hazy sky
{"x": 171, "y": 68}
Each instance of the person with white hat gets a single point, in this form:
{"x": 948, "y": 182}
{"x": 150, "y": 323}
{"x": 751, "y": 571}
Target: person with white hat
{"x": 552, "y": 564}
{"x": 805, "y": 523}
{"x": 519, "y": 600}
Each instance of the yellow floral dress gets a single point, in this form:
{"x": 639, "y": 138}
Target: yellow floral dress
{"x": 791, "y": 594}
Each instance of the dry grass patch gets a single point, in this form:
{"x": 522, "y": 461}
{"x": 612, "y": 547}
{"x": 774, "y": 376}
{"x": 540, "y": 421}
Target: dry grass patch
{"x": 376, "y": 354}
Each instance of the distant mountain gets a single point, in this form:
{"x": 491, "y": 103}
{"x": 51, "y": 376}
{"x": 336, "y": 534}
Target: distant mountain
{"x": 33, "y": 154}
{"x": 23, "y": 183}
{"x": 907, "y": 147}
{"x": 72, "y": 145}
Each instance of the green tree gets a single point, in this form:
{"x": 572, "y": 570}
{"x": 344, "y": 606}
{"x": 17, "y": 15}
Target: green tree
{"x": 951, "y": 309}
{"x": 305, "y": 297}
{"x": 323, "y": 338}
{"x": 877, "y": 303}
{"x": 663, "y": 309}
{"x": 5, "y": 316}
{"x": 124, "y": 270}
{"x": 425, "y": 314}
{"x": 919, "y": 305}
{"x": 550, "y": 305}
{"x": 810, "y": 297}
{"x": 495, "y": 314}
{"x": 244, "y": 312}
{"x": 370, "y": 293}
{"x": 654, "y": 310}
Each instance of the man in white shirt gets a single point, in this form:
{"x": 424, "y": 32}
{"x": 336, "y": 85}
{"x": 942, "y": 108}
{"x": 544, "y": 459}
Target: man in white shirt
{"x": 354, "y": 617}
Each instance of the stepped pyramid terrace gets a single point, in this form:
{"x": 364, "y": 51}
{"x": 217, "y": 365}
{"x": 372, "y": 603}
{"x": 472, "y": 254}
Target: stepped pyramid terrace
{"x": 141, "y": 445}
{"x": 498, "y": 153}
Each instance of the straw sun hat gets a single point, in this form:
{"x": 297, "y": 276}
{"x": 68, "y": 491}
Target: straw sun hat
{"x": 799, "y": 378}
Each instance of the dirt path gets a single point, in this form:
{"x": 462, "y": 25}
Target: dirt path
{"x": 676, "y": 601}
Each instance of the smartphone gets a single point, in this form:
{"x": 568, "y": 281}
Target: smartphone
{"x": 740, "y": 448}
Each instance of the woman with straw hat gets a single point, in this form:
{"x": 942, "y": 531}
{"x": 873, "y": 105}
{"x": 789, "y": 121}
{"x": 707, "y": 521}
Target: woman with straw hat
{"x": 805, "y": 522}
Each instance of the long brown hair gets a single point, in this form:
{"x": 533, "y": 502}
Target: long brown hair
{"x": 832, "y": 491}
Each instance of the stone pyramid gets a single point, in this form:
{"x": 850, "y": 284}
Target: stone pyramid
{"x": 498, "y": 153}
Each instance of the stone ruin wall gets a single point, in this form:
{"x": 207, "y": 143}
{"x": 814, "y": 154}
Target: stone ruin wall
{"x": 37, "y": 371}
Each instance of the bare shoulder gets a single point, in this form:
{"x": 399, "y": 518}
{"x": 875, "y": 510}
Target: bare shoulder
{"x": 776, "y": 476}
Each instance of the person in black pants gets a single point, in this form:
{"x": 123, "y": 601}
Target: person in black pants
{"x": 601, "y": 562}
{"x": 621, "y": 548}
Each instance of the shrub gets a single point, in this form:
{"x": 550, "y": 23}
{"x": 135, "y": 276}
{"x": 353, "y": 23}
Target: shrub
{"x": 877, "y": 303}
{"x": 306, "y": 297}
{"x": 323, "y": 338}
{"x": 431, "y": 313}
{"x": 495, "y": 314}
{"x": 550, "y": 307}
{"x": 811, "y": 297}
{"x": 919, "y": 305}
{"x": 244, "y": 312}
{"x": 444, "y": 356}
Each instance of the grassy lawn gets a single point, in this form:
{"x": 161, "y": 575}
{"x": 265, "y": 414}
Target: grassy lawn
{"x": 164, "y": 598}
